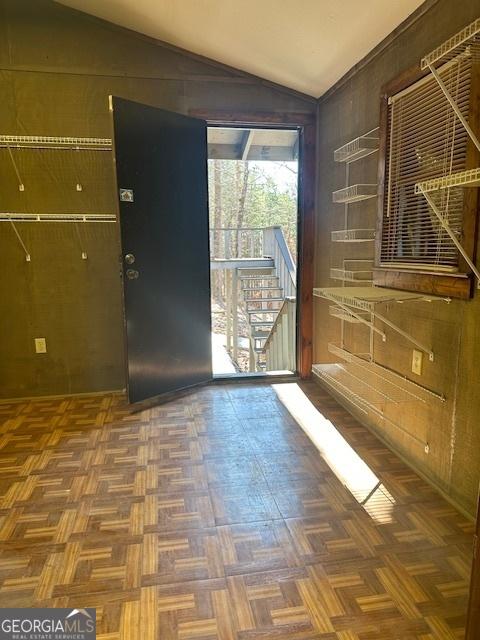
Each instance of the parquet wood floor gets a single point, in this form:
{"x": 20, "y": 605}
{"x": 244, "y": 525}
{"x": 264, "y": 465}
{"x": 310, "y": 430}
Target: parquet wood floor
{"x": 215, "y": 517}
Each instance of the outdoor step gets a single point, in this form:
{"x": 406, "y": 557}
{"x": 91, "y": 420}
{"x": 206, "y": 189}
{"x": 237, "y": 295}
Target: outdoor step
{"x": 261, "y": 285}
{"x": 263, "y": 288}
{"x": 264, "y": 299}
{"x": 260, "y": 335}
{"x": 260, "y": 312}
{"x": 257, "y": 275}
{"x": 256, "y": 272}
{"x": 262, "y": 323}
{"x": 254, "y": 310}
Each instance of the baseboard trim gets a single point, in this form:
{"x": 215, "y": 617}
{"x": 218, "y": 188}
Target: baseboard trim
{"x": 108, "y": 392}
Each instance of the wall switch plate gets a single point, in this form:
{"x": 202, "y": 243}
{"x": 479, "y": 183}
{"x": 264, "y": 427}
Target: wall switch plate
{"x": 417, "y": 361}
{"x": 40, "y": 345}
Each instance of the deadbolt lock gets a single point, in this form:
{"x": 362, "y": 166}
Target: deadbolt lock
{"x": 129, "y": 258}
{"x": 132, "y": 274}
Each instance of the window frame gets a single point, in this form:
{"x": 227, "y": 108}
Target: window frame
{"x": 454, "y": 285}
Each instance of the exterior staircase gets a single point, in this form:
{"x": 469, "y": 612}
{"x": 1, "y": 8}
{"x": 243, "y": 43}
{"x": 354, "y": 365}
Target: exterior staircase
{"x": 260, "y": 276}
{"x": 262, "y": 300}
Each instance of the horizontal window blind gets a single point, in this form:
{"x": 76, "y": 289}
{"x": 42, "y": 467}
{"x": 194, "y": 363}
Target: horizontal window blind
{"x": 425, "y": 140}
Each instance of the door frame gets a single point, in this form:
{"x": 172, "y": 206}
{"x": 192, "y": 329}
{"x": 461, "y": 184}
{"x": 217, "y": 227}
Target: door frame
{"x": 306, "y": 125}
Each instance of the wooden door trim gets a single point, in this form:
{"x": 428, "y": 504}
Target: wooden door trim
{"x": 306, "y": 124}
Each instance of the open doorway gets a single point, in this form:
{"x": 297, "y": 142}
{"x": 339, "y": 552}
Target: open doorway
{"x": 253, "y": 202}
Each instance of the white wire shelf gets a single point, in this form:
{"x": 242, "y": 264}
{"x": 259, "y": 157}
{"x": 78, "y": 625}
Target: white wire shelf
{"x": 353, "y": 235}
{"x": 367, "y": 400}
{"x": 351, "y": 381}
{"x": 334, "y": 377}
{"x": 469, "y": 178}
{"x": 354, "y": 270}
{"x": 354, "y": 299}
{"x": 355, "y": 193}
{"x": 349, "y": 275}
{"x": 384, "y": 375}
{"x": 343, "y": 314}
{"x": 57, "y": 217}
{"x": 365, "y": 298}
{"x": 55, "y": 142}
{"x": 356, "y": 149}
{"x": 453, "y": 46}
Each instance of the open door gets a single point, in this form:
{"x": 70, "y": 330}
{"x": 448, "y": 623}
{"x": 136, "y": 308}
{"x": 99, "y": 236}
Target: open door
{"x": 161, "y": 168}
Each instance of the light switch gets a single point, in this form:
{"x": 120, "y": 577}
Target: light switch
{"x": 40, "y": 345}
{"x": 417, "y": 361}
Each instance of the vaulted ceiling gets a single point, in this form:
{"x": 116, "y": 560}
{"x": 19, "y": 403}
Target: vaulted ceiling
{"x": 302, "y": 44}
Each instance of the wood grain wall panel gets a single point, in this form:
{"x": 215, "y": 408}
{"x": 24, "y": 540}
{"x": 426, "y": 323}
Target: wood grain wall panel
{"x": 57, "y": 69}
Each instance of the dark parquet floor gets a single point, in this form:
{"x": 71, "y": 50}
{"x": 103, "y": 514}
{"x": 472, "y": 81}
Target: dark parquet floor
{"x": 214, "y": 516}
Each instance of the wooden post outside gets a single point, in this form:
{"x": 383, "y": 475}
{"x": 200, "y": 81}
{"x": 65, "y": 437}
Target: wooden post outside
{"x": 251, "y": 358}
{"x": 228, "y": 308}
{"x": 235, "y": 313}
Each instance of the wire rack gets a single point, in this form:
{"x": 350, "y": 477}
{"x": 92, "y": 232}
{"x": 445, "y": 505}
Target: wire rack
{"x": 468, "y": 178}
{"x": 465, "y": 43}
{"x": 57, "y": 217}
{"x": 467, "y": 37}
{"x": 358, "y": 148}
{"x": 55, "y": 142}
{"x": 393, "y": 382}
{"x": 353, "y": 235}
{"x": 355, "y": 193}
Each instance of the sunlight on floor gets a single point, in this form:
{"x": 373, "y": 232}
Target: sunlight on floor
{"x": 342, "y": 459}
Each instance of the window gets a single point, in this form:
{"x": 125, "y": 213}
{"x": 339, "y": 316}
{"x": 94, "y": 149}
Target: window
{"x": 424, "y": 139}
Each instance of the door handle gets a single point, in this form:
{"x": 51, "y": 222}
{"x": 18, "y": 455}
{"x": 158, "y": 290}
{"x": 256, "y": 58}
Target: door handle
{"x": 129, "y": 258}
{"x": 132, "y": 274}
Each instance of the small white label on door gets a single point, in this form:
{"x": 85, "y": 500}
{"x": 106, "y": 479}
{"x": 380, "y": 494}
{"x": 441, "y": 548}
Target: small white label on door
{"x": 126, "y": 195}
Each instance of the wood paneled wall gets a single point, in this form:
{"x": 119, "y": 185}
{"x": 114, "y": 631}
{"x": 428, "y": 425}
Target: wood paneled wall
{"x": 453, "y": 330}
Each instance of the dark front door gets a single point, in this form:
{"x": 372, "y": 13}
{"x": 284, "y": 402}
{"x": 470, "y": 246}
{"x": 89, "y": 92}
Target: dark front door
{"x": 161, "y": 167}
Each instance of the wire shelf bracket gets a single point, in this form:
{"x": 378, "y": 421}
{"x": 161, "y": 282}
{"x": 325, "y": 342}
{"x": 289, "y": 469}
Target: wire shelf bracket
{"x": 453, "y": 236}
{"x": 20, "y": 240}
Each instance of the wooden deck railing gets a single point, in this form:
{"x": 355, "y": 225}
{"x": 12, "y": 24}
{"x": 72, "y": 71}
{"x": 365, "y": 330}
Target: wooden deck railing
{"x": 275, "y": 246}
{"x": 228, "y": 242}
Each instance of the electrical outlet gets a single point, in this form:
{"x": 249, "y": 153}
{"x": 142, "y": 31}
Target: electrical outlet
{"x": 417, "y": 361}
{"x": 40, "y": 345}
